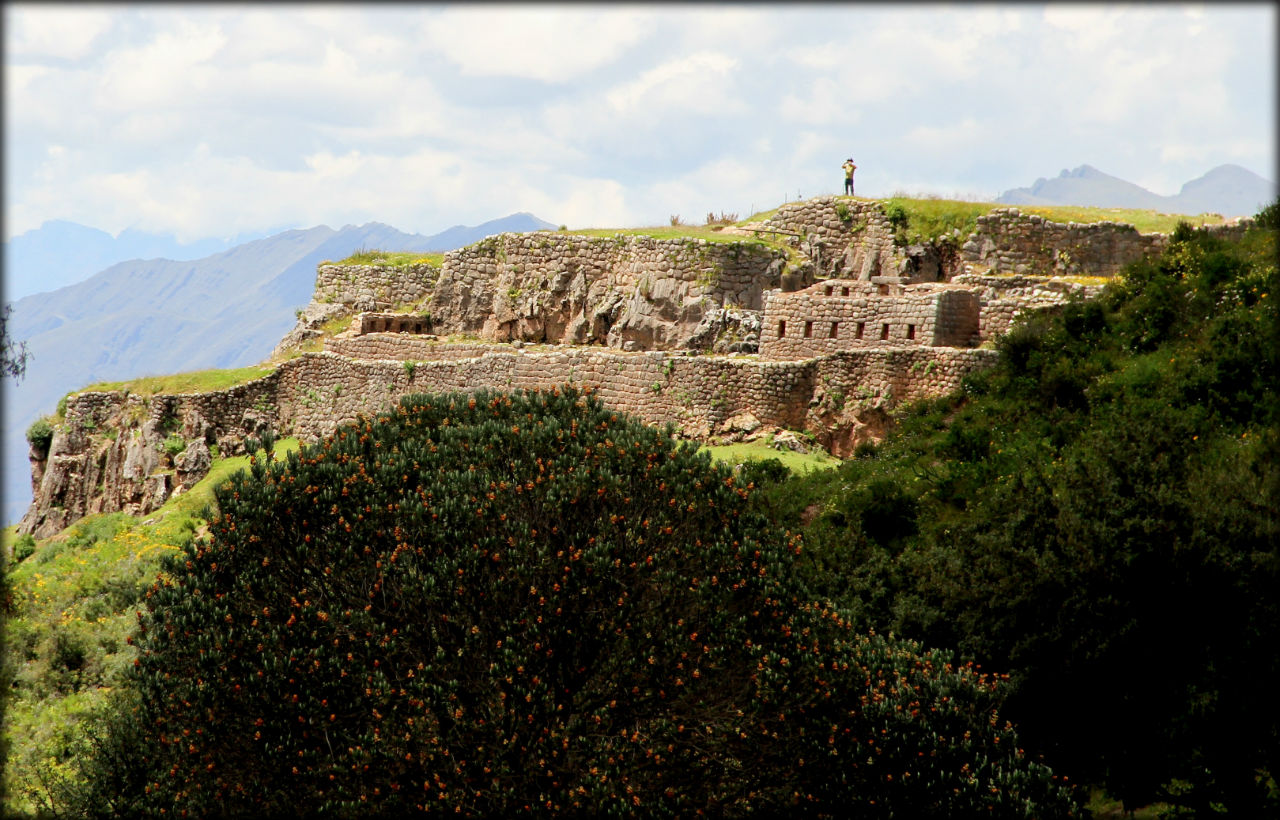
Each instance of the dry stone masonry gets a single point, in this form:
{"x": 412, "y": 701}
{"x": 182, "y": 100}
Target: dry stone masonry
{"x": 846, "y": 314}
{"x": 630, "y": 292}
{"x": 847, "y": 324}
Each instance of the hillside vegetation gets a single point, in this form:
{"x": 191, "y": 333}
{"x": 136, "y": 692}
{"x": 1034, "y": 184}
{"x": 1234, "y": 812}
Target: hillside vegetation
{"x": 1099, "y": 515}
{"x": 70, "y": 607}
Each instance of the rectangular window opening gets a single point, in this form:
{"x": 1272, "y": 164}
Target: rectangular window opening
{"x": 830, "y": 289}
{"x": 911, "y": 331}
{"x": 782, "y": 329}
{"x": 808, "y": 330}
{"x": 844, "y": 291}
{"x": 861, "y": 327}
{"x": 884, "y": 331}
{"x": 835, "y": 329}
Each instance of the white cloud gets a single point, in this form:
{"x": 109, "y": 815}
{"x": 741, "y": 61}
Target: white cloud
{"x": 211, "y": 120}
{"x": 700, "y": 81}
{"x": 173, "y": 69}
{"x": 532, "y": 41}
{"x": 54, "y": 30}
{"x": 827, "y": 103}
{"x": 954, "y": 137}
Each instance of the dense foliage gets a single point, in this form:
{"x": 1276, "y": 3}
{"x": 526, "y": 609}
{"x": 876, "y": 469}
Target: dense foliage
{"x": 499, "y": 604}
{"x": 1098, "y": 515}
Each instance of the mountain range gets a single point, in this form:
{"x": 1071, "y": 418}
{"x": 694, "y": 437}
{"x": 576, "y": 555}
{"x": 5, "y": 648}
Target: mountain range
{"x": 1228, "y": 190}
{"x": 156, "y": 316}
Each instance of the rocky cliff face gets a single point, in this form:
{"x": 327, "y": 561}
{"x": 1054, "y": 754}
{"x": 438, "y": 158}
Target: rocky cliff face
{"x": 629, "y": 292}
{"x": 120, "y": 452}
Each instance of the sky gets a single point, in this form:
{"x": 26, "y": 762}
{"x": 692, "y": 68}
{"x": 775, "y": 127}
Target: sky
{"x": 211, "y": 121}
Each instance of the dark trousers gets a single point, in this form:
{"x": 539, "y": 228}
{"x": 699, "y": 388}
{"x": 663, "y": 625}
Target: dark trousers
{"x": 848, "y": 185}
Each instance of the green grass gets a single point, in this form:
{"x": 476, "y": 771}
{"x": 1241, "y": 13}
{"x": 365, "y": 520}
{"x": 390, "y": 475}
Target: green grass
{"x": 393, "y": 259}
{"x": 72, "y": 611}
{"x": 328, "y": 330}
{"x": 672, "y": 232}
{"x": 930, "y": 218}
{"x": 198, "y": 381}
{"x": 759, "y": 450}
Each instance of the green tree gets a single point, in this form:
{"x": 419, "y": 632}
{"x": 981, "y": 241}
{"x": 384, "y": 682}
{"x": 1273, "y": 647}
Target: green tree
{"x": 13, "y": 354}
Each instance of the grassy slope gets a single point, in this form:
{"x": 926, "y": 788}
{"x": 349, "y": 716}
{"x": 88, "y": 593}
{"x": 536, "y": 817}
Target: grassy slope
{"x": 199, "y": 381}
{"x": 798, "y": 463}
{"x": 72, "y": 609}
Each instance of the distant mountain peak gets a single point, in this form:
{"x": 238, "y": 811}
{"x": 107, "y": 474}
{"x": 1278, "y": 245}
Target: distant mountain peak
{"x": 1227, "y": 189}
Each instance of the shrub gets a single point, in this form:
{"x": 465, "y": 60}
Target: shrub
{"x": 40, "y": 435}
{"x": 897, "y": 215}
{"x": 499, "y": 604}
{"x": 173, "y": 445}
{"x": 23, "y": 547}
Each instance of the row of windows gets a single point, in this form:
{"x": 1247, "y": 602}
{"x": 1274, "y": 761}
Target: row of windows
{"x": 882, "y": 289}
{"x": 833, "y": 332}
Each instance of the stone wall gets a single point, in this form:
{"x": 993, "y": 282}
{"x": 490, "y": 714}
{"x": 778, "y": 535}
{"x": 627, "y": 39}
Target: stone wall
{"x": 701, "y": 395}
{"x": 1003, "y": 298}
{"x": 401, "y": 347}
{"x": 345, "y": 290}
{"x": 394, "y": 323}
{"x": 374, "y": 287}
{"x": 617, "y": 291}
{"x": 1008, "y": 241}
{"x": 841, "y": 314}
{"x": 107, "y": 456}
{"x": 858, "y": 246}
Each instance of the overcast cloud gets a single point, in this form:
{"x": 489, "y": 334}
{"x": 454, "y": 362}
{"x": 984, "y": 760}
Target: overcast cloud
{"x": 208, "y": 120}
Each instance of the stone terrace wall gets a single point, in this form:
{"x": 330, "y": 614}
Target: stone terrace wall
{"x": 1008, "y": 241}
{"x": 107, "y": 456}
{"x": 344, "y": 290}
{"x": 837, "y": 315}
{"x": 701, "y": 395}
{"x": 1004, "y": 298}
{"x": 651, "y": 293}
{"x": 373, "y": 287}
{"x": 399, "y": 347}
{"x": 857, "y": 248}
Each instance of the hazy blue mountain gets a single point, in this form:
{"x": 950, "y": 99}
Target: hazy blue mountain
{"x": 158, "y": 316}
{"x": 61, "y": 253}
{"x": 460, "y": 235}
{"x": 1228, "y": 190}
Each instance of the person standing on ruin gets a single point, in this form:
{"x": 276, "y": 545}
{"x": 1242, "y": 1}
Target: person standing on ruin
{"x": 849, "y": 168}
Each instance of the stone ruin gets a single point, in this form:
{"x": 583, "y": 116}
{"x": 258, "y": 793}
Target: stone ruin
{"x": 722, "y": 340}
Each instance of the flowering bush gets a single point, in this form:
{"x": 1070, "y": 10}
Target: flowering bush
{"x": 498, "y": 604}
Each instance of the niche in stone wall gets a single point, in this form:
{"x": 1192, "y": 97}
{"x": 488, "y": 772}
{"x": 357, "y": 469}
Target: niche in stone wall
{"x": 782, "y": 328}
{"x": 835, "y": 328}
{"x": 911, "y": 331}
{"x": 884, "y": 332}
{"x": 862, "y": 326}
{"x": 808, "y": 330}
